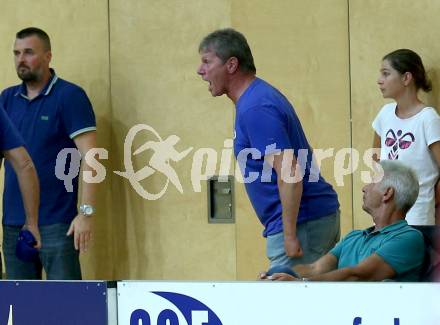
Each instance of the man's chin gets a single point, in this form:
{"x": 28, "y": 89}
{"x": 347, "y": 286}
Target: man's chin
{"x": 366, "y": 209}
{"x": 26, "y": 77}
{"x": 216, "y": 93}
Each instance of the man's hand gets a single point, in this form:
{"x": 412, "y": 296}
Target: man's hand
{"x": 263, "y": 276}
{"x": 36, "y": 233}
{"x": 283, "y": 277}
{"x": 292, "y": 247}
{"x": 81, "y": 228}
{"x": 277, "y": 277}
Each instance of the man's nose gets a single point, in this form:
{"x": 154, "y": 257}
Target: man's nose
{"x": 200, "y": 70}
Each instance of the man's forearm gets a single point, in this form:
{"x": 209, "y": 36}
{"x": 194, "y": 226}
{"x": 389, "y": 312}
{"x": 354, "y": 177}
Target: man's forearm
{"x": 88, "y": 190}
{"x": 344, "y": 274}
{"x": 305, "y": 270}
{"x": 85, "y": 142}
{"x": 30, "y": 191}
{"x": 290, "y": 195}
{"x": 28, "y": 182}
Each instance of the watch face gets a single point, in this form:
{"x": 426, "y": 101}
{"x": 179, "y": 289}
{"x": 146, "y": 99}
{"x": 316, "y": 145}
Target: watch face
{"x": 86, "y": 210}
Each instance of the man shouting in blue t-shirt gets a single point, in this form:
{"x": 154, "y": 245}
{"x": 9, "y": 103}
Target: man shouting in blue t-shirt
{"x": 298, "y": 208}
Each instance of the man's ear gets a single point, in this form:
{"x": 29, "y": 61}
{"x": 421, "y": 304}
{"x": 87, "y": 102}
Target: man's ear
{"x": 48, "y": 56}
{"x": 232, "y": 64}
{"x": 388, "y": 195}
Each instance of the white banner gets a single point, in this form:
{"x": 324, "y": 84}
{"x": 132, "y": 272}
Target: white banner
{"x": 278, "y": 303}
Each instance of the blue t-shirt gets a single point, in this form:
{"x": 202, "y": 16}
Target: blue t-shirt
{"x": 266, "y": 123}
{"x": 9, "y": 136}
{"x": 400, "y": 245}
{"x": 48, "y": 124}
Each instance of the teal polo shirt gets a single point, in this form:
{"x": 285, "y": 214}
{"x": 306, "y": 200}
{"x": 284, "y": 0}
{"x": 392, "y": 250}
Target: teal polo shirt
{"x": 400, "y": 245}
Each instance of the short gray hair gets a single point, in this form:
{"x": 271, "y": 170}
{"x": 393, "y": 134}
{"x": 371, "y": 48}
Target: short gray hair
{"x": 403, "y": 180}
{"x": 227, "y": 43}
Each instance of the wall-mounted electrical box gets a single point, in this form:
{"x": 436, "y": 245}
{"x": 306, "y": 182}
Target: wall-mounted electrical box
{"x": 221, "y": 199}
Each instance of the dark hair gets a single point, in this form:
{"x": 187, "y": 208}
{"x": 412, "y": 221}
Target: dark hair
{"x": 227, "y": 43}
{"x": 404, "y": 60}
{"x": 34, "y": 31}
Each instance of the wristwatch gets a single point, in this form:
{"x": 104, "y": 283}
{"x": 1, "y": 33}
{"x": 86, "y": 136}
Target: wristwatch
{"x": 86, "y": 210}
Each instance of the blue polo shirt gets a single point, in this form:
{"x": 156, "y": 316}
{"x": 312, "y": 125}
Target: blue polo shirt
{"x": 9, "y": 136}
{"x": 266, "y": 123}
{"x": 48, "y": 123}
{"x": 400, "y": 245}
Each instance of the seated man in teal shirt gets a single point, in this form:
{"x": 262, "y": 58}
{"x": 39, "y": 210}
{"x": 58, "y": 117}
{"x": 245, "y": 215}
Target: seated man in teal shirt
{"x": 391, "y": 249}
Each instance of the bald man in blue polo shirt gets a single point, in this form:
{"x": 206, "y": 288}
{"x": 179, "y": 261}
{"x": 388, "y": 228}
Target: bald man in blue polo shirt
{"x": 391, "y": 249}
{"x": 11, "y": 147}
{"x": 51, "y": 114}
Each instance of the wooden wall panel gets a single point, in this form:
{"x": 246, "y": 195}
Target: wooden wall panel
{"x": 154, "y": 58}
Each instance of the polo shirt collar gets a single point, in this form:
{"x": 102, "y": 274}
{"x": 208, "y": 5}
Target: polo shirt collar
{"x": 22, "y": 91}
{"x": 395, "y": 226}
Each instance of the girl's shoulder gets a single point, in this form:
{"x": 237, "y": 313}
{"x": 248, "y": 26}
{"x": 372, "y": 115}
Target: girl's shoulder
{"x": 429, "y": 112}
{"x": 387, "y": 110}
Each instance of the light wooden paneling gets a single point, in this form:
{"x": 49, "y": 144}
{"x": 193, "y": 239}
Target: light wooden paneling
{"x": 154, "y": 58}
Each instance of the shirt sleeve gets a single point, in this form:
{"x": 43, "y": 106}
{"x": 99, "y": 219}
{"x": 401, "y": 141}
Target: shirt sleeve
{"x": 9, "y": 136}
{"x": 77, "y": 114}
{"x": 432, "y": 128}
{"x": 336, "y": 251}
{"x": 266, "y": 129}
{"x": 377, "y": 125}
{"x": 403, "y": 252}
